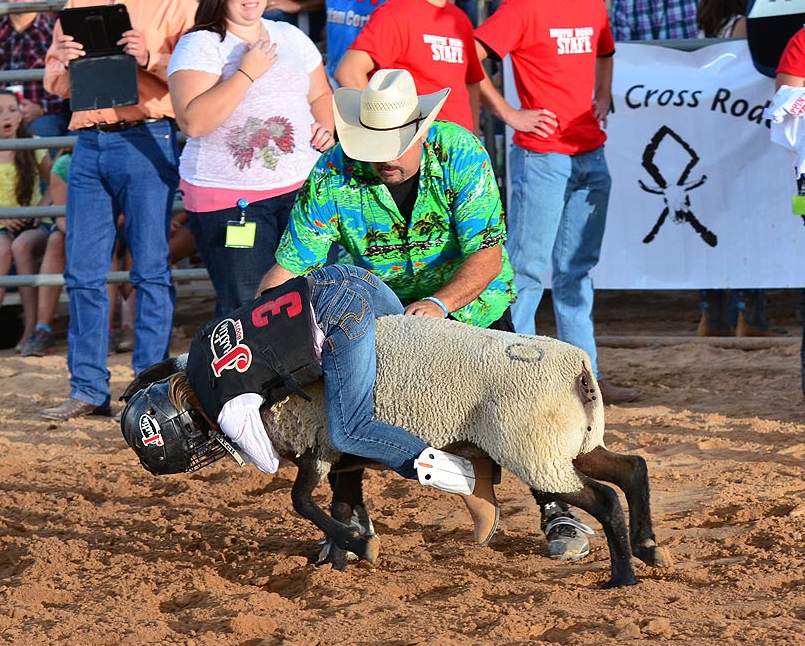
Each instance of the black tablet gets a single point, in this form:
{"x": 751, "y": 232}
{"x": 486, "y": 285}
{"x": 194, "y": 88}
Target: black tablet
{"x": 97, "y": 28}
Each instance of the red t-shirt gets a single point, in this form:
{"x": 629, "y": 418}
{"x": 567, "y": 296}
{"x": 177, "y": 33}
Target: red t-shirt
{"x": 435, "y": 44}
{"x": 793, "y": 59}
{"x": 553, "y": 46}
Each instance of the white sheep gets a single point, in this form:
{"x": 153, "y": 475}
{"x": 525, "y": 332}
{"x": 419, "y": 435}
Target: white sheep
{"x": 529, "y": 402}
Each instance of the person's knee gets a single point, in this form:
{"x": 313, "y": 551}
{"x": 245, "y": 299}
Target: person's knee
{"x": 54, "y": 250}
{"x": 341, "y": 439}
{"x": 25, "y": 247}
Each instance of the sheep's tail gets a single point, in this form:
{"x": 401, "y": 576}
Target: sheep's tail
{"x": 586, "y": 386}
{"x": 590, "y": 397}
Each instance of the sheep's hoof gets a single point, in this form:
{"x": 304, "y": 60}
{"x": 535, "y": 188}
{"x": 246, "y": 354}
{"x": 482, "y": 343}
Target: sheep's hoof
{"x": 336, "y": 556}
{"x": 339, "y": 560}
{"x": 662, "y": 557}
{"x": 372, "y": 548}
{"x": 652, "y": 554}
{"x": 366, "y": 548}
{"x": 620, "y": 583}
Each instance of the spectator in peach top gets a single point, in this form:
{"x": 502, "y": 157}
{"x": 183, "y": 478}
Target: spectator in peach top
{"x": 124, "y": 161}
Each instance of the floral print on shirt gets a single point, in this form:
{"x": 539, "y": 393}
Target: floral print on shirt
{"x": 457, "y": 212}
{"x": 265, "y": 140}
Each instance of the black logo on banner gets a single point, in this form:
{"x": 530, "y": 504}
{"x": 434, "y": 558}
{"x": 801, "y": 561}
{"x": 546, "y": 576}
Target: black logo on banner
{"x": 663, "y": 150}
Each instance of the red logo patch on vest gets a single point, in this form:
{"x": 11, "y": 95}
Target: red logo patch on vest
{"x": 227, "y": 350}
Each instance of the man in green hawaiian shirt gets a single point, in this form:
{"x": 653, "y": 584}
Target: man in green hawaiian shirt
{"x": 412, "y": 200}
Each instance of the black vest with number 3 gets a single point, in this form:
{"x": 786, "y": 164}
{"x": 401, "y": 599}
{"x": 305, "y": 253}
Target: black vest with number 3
{"x": 264, "y": 347}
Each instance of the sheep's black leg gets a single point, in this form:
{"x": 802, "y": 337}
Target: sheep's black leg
{"x": 630, "y": 474}
{"x": 331, "y": 553}
{"x": 348, "y": 499}
{"x": 344, "y": 536}
{"x": 601, "y": 502}
{"x": 347, "y": 505}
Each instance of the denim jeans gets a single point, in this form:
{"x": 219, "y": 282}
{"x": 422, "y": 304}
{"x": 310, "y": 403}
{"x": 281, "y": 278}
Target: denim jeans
{"x": 236, "y": 272}
{"x": 134, "y": 172}
{"x": 557, "y": 213}
{"x": 346, "y": 300}
{"x": 51, "y": 125}
{"x": 722, "y": 306}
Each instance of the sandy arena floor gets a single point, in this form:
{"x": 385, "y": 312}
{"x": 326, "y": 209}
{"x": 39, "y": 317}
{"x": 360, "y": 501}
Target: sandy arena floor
{"x": 95, "y": 551}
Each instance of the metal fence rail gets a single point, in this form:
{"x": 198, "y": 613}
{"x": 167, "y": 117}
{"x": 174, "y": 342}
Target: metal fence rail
{"x": 27, "y": 7}
{"x": 53, "y": 211}
{"x": 51, "y": 280}
{"x": 10, "y": 76}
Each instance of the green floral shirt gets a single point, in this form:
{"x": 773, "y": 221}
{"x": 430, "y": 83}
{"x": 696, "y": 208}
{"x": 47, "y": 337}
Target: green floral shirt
{"x": 457, "y": 212}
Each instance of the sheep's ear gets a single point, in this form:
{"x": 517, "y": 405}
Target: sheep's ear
{"x": 157, "y": 372}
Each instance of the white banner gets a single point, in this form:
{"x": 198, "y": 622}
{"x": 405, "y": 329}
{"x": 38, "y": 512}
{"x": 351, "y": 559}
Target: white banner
{"x": 700, "y": 196}
{"x": 772, "y": 8}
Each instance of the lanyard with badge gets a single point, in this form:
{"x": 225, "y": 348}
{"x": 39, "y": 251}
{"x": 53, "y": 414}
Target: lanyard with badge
{"x": 239, "y": 233}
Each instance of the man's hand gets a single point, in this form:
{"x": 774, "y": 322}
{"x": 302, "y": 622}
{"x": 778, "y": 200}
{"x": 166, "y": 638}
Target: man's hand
{"x": 541, "y": 122}
{"x": 601, "y": 109}
{"x": 133, "y": 42}
{"x": 68, "y": 49}
{"x": 425, "y": 308}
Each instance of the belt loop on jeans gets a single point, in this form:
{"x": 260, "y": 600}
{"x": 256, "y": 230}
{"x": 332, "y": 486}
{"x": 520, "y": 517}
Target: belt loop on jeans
{"x": 119, "y": 126}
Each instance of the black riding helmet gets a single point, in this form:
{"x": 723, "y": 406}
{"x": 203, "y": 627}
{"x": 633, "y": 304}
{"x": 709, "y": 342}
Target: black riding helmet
{"x": 168, "y": 439}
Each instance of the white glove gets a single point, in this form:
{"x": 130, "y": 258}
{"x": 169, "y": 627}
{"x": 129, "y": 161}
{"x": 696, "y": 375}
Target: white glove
{"x": 241, "y": 422}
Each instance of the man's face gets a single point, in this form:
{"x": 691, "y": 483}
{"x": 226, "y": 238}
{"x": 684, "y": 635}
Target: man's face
{"x": 396, "y": 171}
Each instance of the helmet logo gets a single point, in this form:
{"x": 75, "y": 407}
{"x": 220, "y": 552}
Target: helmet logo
{"x": 227, "y": 351}
{"x": 150, "y": 431}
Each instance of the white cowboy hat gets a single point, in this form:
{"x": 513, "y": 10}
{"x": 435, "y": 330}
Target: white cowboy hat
{"x": 384, "y": 120}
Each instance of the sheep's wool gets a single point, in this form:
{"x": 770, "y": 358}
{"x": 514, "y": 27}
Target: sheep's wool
{"x": 514, "y": 396}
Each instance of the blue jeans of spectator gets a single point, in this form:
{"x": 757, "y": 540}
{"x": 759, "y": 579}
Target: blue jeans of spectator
{"x": 722, "y": 306}
{"x": 347, "y": 300}
{"x": 134, "y": 172}
{"x": 557, "y": 214}
{"x": 236, "y": 272}
{"x": 51, "y": 125}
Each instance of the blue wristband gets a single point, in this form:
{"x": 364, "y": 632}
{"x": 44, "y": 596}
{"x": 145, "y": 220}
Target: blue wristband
{"x": 433, "y": 299}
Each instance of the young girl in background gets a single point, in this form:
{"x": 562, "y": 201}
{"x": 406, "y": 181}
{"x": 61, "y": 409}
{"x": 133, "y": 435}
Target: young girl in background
{"x": 22, "y": 240}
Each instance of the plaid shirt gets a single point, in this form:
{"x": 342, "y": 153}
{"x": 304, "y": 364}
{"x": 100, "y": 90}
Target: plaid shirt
{"x": 26, "y": 50}
{"x": 653, "y": 19}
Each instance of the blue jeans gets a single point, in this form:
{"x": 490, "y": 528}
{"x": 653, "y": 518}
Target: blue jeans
{"x": 51, "y": 125}
{"x": 236, "y": 272}
{"x": 134, "y": 172}
{"x": 346, "y": 300}
{"x": 722, "y": 306}
{"x": 557, "y": 213}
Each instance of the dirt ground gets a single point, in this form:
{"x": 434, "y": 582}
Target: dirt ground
{"x": 95, "y": 551}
